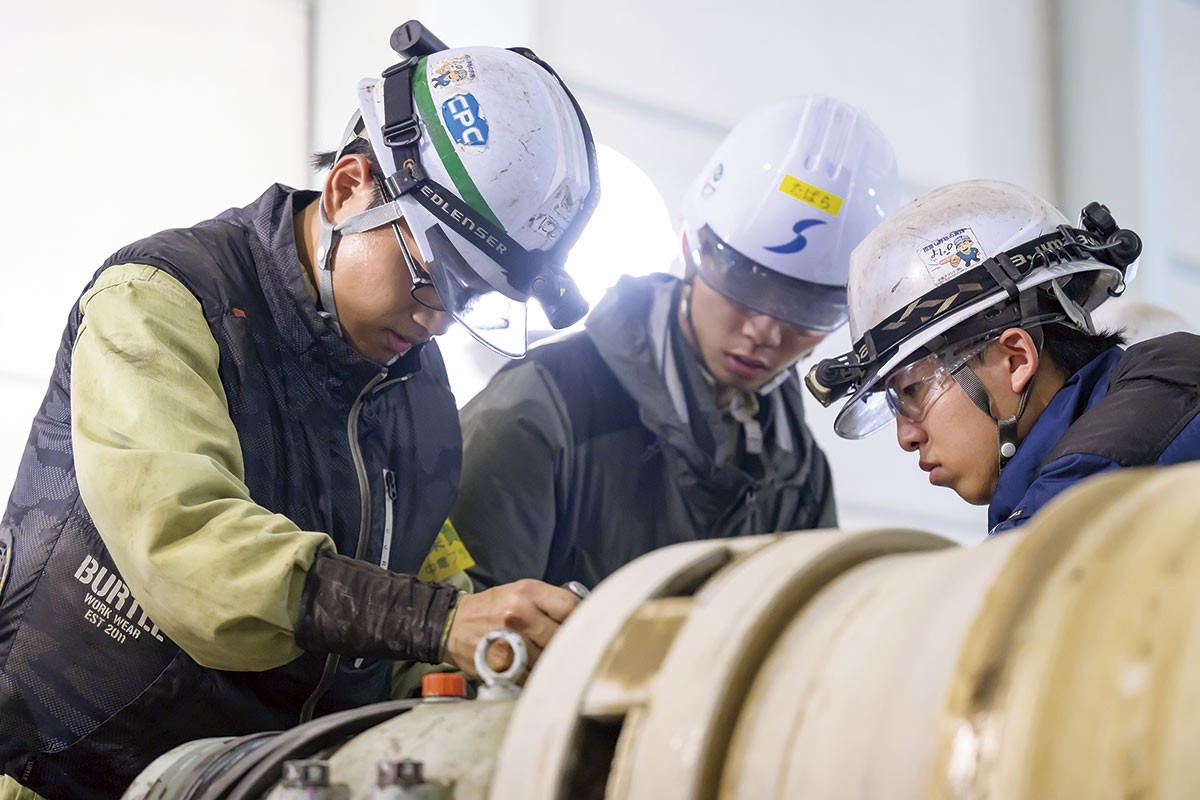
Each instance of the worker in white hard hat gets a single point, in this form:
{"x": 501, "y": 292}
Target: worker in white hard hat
{"x": 224, "y": 516}
{"x": 992, "y": 368}
{"x": 677, "y": 415}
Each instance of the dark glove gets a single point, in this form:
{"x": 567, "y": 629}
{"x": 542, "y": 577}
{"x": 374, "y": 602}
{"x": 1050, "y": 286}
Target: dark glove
{"x": 353, "y": 608}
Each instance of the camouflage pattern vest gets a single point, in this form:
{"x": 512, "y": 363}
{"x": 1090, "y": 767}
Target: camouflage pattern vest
{"x": 84, "y": 707}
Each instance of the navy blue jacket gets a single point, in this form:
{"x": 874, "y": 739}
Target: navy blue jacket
{"x": 1122, "y": 409}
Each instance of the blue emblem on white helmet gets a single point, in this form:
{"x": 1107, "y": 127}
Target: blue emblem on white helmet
{"x": 799, "y": 243}
{"x": 464, "y": 121}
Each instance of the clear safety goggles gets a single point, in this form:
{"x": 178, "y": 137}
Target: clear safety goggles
{"x": 912, "y": 389}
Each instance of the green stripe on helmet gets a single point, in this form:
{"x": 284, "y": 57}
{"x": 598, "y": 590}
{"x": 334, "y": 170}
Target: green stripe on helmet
{"x": 453, "y": 165}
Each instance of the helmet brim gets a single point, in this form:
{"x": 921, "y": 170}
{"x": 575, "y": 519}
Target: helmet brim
{"x": 816, "y": 306}
{"x": 867, "y": 411}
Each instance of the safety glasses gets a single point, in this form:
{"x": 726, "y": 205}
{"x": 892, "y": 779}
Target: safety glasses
{"x": 912, "y": 389}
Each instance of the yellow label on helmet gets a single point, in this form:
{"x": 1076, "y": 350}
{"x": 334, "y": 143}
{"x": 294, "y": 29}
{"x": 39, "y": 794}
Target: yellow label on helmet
{"x": 447, "y": 556}
{"x": 814, "y": 196}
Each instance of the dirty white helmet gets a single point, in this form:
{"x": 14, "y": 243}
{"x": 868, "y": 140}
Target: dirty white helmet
{"x": 956, "y": 265}
{"x": 490, "y": 161}
{"x": 772, "y": 217}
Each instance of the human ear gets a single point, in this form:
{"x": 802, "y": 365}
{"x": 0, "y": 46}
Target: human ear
{"x": 348, "y": 188}
{"x": 1020, "y": 357}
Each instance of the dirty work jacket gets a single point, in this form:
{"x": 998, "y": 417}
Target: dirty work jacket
{"x": 1122, "y": 409}
{"x": 206, "y": 438}
{"x": 581, "y": 457}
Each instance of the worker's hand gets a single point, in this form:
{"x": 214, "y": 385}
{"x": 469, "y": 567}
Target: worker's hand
{"x": 531, "y": 608}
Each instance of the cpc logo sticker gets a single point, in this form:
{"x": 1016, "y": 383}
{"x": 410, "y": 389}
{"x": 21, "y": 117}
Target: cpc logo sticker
{"x": 464, "y": 121}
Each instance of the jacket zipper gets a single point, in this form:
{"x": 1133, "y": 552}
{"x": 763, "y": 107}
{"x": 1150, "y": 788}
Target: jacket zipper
{"x": 364, "y": 526}
{"x": 389, "y": 485}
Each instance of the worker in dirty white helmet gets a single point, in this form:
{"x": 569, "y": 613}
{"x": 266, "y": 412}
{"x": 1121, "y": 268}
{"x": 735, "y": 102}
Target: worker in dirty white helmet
{"x": 249, "y": 444}
{"x": 993, "y": 369}
{"x": 677, "y": 415}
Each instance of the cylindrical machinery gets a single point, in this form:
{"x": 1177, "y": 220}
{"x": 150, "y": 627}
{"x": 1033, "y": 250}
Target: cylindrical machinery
{"x": 1059, "y": 661}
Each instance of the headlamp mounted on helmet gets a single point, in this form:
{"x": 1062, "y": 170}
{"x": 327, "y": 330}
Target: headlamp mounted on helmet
{"x": 1099, "y": 239}
{"x": 537, "y": 273}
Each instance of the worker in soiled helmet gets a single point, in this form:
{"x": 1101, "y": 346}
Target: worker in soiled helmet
{"x": 677, "y": 415}
{"x": 993, "y": 369}
{"x": 249, "y": 445}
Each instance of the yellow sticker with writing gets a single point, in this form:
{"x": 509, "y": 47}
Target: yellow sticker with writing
{"x": 447, "y": 556}
{"x": 815, "y": 196}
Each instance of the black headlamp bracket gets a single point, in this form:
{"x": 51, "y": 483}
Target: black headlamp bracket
{"x": 1098, "y": 238}
{"x": 538, "y": 273}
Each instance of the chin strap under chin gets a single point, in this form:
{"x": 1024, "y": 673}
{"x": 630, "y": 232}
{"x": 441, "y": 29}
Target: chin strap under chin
{"x": 1006, "y": 429}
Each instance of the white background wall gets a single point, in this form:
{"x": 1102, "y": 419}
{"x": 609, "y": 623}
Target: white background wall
{"x": 119, "y": 119}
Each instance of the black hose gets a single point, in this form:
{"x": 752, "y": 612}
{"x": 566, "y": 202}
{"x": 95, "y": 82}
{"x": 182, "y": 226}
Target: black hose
{"x": 251, "y": 776}
{"x": 216, "y": 763}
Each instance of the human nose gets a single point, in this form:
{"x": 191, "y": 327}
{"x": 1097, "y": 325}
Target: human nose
{"x": 910, "y": 435}
{"x": 436, "y": 322}
{"x": 763, "y": 330}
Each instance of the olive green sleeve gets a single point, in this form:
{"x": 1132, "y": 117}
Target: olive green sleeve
{"x": 160, "y": 471}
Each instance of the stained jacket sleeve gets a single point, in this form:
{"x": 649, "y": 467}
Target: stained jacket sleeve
{"x": 160, "y": 471}
{"x": 517, "y": 449}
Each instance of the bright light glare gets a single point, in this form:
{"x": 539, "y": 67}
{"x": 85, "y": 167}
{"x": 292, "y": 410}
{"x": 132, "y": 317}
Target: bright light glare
{"x": 630, "y": 233}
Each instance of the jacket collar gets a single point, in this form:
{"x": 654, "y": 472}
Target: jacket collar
{"x": 631, "y": 328}
{"x": 1076, "y": 396}
{"x": 271, "y": 233}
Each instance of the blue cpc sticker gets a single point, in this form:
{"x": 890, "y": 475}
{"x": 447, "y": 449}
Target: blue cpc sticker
{"x": 464, "y": 121}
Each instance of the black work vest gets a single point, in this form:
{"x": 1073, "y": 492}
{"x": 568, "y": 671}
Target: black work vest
{"x": 91, "y": 690}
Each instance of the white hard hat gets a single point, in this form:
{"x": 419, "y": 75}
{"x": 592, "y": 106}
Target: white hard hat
{"x": 772, "y": 217}
{"x": 490, "y": 161}
{"x": 962, "y": 262}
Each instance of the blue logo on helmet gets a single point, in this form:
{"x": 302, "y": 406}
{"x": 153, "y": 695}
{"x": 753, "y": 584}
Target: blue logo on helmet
{"x": 799, "y": 243}
{"x": 464, "y": 120}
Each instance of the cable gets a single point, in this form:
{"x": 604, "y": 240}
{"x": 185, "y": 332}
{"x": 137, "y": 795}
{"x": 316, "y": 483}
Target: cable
{"x": 250, "y": 777}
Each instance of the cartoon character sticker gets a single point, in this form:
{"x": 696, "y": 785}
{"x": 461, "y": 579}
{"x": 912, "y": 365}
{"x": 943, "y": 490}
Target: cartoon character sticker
{"x": 954, "y": 252}
{"x": 457, "y": 70}
{"x": 964, "y": 251}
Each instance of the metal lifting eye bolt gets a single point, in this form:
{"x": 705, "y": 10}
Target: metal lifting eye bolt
{"x": 501, "y": 684}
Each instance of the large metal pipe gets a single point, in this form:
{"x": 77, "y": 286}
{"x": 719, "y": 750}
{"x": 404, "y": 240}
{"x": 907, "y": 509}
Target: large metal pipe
{"x": 1059, "y": 661}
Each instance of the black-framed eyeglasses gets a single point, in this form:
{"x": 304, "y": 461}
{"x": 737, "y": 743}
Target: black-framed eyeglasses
{"x": 423, "y": 290}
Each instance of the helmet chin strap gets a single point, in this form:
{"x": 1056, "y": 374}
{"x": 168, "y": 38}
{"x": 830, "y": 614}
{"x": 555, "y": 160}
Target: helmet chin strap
{"x": 1006, "y": 429}
{"x": 327, "y": 242}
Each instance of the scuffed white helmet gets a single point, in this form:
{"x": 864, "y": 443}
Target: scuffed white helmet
{"x": 491, "y": 162}
{"x": 772, "y": 217}
{"x": 960, "y": 263}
